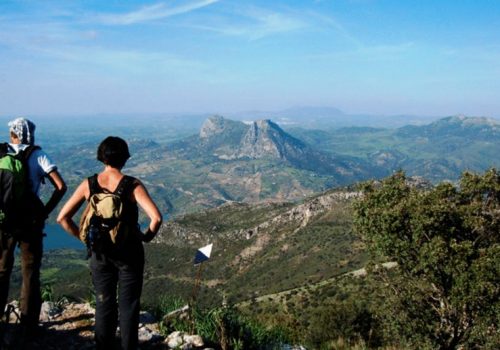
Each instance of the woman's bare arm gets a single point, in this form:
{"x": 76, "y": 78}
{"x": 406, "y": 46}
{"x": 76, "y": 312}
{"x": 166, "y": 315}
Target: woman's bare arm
{"x": 146, "y": 203}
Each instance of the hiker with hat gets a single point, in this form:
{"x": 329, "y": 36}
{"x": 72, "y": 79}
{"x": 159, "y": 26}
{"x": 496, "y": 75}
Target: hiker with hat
{"x": 110, "y": 228}
{"x": 23, "y": 218}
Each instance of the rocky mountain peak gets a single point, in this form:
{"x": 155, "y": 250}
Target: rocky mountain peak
{"x": 266, "y": 124}
{"x": 266, "y": 139}
{"x": 213, "y": 126}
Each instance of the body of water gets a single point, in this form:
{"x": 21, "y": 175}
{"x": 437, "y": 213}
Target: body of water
{"x": 57, "y": 238}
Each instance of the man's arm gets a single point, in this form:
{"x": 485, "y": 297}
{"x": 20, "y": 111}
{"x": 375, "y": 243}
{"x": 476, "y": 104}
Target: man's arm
{"x": 65, "y": 217}
{"x": 59, "y": 190}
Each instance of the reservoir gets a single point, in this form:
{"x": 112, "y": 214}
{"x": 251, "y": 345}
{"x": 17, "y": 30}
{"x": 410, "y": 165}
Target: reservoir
{"x": 57, "y": 238}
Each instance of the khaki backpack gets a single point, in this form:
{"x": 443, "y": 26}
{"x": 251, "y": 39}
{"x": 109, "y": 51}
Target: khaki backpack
{"x": 103, "y": 214}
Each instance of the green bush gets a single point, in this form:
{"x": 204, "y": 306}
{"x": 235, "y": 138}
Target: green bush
{"x": 444, "y": 293}
{"x": 349, "y": 320}
{"x": 221, "y": 327}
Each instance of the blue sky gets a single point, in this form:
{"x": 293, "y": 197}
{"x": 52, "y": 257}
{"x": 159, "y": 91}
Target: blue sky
{"x": 218, "y": 56}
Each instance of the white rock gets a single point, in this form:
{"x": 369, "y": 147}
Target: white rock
{"x": 145, "y": 334}
{"x": 48, "y": 311}
{"x": 195, "y": 340}
{"x": 174, "y": 340}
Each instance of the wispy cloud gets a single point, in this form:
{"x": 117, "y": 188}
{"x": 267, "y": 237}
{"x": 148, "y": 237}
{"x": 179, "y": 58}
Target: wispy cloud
{"x": 258, "y": 22}
{"x": 267, "y": 23}
{"x": 253, "y": 23}
{"x": 152, "y": 13}
{"x": 119, "y": 60}
{"x": 58, "y": 44}
{"x": 337, "y": 26}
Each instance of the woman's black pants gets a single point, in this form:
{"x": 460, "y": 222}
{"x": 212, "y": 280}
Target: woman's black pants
{"x": 116, "y": 280}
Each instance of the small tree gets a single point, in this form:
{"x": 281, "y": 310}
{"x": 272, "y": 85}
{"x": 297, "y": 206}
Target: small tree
{"x": 445, "y": 291}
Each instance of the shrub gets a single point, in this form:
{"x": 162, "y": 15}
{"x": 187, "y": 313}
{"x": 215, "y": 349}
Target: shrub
{"x": 445, "y": 292}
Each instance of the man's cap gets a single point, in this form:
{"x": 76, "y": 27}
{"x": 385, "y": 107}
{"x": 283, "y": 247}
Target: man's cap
{"x": 24, "y": 129}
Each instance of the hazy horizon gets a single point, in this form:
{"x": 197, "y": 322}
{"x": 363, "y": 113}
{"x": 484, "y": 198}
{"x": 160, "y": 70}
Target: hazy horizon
{"x": 236, "y": 113}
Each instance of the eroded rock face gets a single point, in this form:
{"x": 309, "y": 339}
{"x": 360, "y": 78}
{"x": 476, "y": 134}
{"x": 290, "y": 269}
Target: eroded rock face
{"x": 260, "y": 139}
{"x": 212, "y": 127}
{"x": 266, "y": 139}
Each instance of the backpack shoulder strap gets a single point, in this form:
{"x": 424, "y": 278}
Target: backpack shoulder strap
{"x": 127, "y": 183}
{"x": 26, "y": 153}
{"x": 94, "y": 185}
{"x": 4, "y": 148}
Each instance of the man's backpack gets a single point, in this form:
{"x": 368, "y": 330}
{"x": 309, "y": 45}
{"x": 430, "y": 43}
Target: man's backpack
{"x": 17, "y": 202}
{"x": 103, "y": 222}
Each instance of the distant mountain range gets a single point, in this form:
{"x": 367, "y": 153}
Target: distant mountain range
{"x": 438, "y": 151}
{"x": 235, "y": 161}
{"x": 228, "y": 140}
{"x": 312, "y": 117}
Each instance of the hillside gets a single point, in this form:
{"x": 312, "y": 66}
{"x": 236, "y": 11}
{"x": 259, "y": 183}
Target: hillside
{"x": 281, "y": 263}
{"x": 258, "y": 249}
{"x": 269, "y": 247}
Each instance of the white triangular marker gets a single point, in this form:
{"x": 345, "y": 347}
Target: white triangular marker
{"x": 203, "y": 254}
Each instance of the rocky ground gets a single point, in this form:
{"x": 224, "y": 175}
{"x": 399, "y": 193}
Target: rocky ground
{"x": 69, "y": 326}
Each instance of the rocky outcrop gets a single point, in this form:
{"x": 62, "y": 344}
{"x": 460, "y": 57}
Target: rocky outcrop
{"x": 301, "y": 213}
{"x": 213, "y": 126}
{"x": 182, "y": 340}
{"x": 266, "y": 139}
{"x": 65, "y": 325}
{"x": 175, "y": 234}
{"x": 298, "y": 217}
{"x": 229, "y": 139}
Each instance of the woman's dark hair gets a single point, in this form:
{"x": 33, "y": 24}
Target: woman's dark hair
{"x": 113, "y": 151}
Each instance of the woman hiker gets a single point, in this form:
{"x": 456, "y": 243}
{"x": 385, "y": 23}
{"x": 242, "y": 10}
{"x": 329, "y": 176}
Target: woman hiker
{"x": 119, "y": 261}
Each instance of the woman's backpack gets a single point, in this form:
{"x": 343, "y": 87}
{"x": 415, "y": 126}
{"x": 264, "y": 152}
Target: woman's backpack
{"x": 103, "y": 222}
